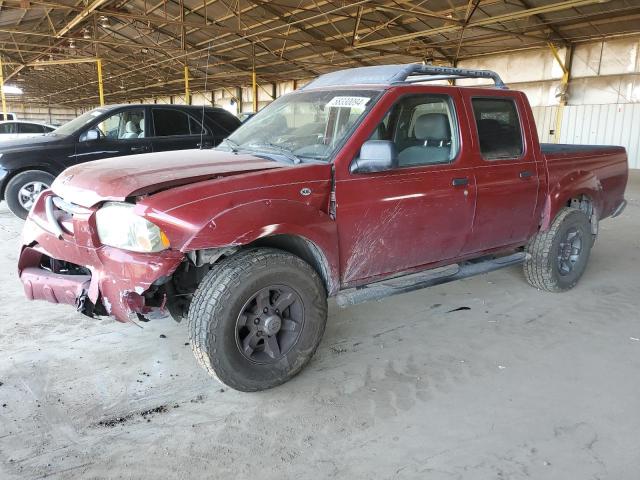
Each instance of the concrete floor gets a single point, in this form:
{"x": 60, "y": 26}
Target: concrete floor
{"x": 519, "y": 384}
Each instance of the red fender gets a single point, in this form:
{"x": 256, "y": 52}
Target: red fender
{"x": 571, "y": 186}
{"x": 276, "y": 217}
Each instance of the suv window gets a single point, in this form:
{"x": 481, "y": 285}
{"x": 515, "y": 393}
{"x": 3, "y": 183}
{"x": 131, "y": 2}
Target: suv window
{"x": 168, "y": 122}
{"x": 498, "y": 127}
{"x": 123, "y": 125}
{"x": 223, "y": 123}
{"x": 196, "y": 127}
{"x": 30, "y": 128}
{"x": 7, "y": 128}
{"x": 423, "y": 128}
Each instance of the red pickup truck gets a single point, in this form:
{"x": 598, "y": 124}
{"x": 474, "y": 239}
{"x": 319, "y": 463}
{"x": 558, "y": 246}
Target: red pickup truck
{"x": 365, "y": 183}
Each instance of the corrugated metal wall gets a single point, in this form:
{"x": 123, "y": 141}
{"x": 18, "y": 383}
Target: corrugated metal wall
{"x": 617, "y": 124}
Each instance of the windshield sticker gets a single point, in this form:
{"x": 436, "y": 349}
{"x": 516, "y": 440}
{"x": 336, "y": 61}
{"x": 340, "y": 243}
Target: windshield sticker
{"x": 348, "y": 102}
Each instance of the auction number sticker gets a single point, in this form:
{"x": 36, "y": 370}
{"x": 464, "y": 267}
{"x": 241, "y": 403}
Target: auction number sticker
{"x": 348, "y": 102}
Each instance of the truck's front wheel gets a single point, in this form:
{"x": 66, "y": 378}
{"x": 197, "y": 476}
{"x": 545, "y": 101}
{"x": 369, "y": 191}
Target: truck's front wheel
{"x": 257, "y": 318}
{"x": 559, "y": 256}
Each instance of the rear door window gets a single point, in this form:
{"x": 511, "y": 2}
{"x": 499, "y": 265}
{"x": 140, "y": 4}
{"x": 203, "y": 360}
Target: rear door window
{"x": 8, "y": 128}
{"x": 168, "y": 122}
{"x": 196, "y": 127}
{"x": 223, "y": 123}
{"x": 498, "y": 126}
{"x": 30, "y": 128}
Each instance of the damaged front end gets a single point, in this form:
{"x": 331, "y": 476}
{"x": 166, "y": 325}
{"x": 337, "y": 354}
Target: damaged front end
{"x": 62, "y": 260}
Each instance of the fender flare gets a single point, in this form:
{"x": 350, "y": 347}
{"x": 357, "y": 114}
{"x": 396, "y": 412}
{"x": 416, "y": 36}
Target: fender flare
{"x": 572, "y": 185}
{"x": 228, "y": 228}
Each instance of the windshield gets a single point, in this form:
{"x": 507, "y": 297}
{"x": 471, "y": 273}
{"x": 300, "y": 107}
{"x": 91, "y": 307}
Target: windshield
{"x": 78, "y": 122}
{"x": 303, "y": 125}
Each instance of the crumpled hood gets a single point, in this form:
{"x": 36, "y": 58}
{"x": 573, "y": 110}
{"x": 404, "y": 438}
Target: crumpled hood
{"x": 115, "y": 179}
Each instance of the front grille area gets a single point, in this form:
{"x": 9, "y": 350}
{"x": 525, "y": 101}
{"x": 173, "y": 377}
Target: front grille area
{"x": 67, "y": 207}
{"x": 62, "y": 267}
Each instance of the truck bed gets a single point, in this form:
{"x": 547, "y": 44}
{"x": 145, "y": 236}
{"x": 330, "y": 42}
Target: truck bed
{"x": 551, "y": 148}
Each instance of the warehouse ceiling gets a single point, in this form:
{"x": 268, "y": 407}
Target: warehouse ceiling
{"x": 145, "y": 44}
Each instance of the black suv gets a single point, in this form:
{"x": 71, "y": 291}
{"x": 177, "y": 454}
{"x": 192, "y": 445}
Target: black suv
{"x": 28, "y": 166}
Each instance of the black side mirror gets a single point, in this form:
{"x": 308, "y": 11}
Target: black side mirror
{"x": 90, "y": 135}
{"x": 375, "y": 156}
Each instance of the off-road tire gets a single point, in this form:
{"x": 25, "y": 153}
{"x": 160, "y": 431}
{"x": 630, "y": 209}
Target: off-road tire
{"x": 219, "y": 299}
{"x": 16, "y": 183}
{"x": 541, "y": 269}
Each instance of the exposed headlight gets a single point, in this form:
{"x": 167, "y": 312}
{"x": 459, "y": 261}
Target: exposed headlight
{"x": 118, "y": 226}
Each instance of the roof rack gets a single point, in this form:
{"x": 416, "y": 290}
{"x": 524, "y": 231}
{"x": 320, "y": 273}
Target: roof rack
{"x": 398, "y": 74}
{"x": 450, "y": 73}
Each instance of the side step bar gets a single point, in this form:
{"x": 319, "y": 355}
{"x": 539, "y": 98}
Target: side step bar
{"x": 430, "y": 278}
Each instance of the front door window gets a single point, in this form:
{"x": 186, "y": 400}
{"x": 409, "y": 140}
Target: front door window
{"x": 123, "y": 125}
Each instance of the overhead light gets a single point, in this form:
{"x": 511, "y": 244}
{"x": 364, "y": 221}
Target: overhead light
{"x": 104, "y": 21}
{"x": 145, "y": 50}
{"x": 12, "y": 90}
{"x": 86, "y": 34}
{"x": 72, "y": 43}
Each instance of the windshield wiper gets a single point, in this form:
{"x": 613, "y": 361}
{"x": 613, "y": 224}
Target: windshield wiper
{"x": 279, "y": 148}
{"x": 233, "y": 145}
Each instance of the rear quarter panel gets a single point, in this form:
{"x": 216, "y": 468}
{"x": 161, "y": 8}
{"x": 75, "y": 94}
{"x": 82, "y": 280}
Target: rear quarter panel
{"x": 599, "y": 173}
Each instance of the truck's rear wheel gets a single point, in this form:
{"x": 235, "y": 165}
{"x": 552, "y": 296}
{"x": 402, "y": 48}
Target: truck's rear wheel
{"x": 559, "y": 256}
{"x": 257, "y": 318}
{"x": 23, "y": 189}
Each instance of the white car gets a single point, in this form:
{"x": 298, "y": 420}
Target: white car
{"x": 19, "y": 129}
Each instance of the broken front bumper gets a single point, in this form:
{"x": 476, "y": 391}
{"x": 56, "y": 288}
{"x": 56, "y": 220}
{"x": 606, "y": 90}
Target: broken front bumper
{"x": 62, "y": 261}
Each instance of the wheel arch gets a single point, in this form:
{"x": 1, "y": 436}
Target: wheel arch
{"x": 580, "y": 190}
{"x": 306, "y": 250}
{"x": 294, "y": 227}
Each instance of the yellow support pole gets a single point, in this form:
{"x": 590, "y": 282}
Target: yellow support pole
{"x": 563, "y": 100}
{"x": 100, "y": 84}
{"x": 187, "y": 93}
{"x": 4, "y": 100}
{"x": 254, "y": 80}
{"x": 254, "y": 90}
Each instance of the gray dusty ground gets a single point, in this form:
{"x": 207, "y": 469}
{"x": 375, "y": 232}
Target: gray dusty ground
{"x": 523, "y": 384}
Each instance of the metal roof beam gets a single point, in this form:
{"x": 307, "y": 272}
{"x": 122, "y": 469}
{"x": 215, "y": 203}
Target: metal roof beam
{"x": 554, "y": 7}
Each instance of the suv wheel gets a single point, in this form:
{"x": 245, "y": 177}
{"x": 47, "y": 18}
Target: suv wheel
{"x": 23, "y": 190}
{"x": 257, "y": 318}
{"x": 559, "y": 256}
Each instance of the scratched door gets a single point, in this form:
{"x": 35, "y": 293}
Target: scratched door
{"x": 417, "y": 213}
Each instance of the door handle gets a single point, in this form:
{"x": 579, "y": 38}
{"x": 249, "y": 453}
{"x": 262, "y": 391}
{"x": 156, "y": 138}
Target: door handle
{"x": 525, "y": 174}
{"x": 142, "y": 148}
{"x": 460, "y": 182}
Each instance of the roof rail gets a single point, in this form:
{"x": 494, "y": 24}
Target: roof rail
{"x": 396, "y": 74}
{"x": 449, "y": 73}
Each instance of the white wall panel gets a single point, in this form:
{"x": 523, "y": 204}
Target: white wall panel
{"x": 516, "y": 67}
{"x": 594, "y": 125}
{"x": 545, "y": 118}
